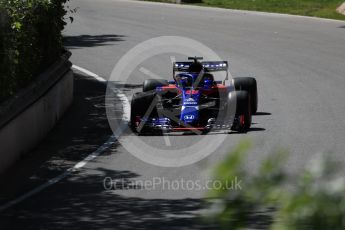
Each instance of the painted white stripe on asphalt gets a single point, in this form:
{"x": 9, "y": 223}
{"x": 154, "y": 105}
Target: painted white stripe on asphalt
{"x": 81, "y": 164}
{"x": 98, "y": 78}
{"x": 124, "y": 100}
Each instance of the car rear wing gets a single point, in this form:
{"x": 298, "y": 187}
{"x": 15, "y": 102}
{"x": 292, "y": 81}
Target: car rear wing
{"x": 210, "y": 66}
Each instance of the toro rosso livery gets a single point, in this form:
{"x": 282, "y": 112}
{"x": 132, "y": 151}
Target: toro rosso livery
{"x": 194, "y": 101}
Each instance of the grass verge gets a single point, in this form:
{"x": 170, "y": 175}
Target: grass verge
{"x": 314, "y": 8}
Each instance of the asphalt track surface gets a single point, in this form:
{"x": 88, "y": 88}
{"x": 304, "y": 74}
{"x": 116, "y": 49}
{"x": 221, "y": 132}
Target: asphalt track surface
{"x": 299, "y": 64}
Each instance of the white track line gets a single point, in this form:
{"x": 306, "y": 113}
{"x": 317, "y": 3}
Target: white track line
{"x": 86, "y": 160}
{"x": 98, "y": 78}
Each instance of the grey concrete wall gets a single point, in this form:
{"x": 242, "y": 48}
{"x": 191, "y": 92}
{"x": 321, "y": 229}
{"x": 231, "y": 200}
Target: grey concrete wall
{"x": 27, "y": 129}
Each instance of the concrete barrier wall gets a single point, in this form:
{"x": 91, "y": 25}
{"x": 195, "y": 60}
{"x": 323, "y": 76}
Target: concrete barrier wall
{"x": 27, "y": 128}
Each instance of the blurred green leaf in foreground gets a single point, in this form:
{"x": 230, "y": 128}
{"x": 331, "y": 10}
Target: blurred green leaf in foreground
{"x": 272, "y": 199}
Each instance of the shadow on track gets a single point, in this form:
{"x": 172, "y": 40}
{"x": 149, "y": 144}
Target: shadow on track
{"x": 262, "y": 114}
{"x": 83, "y": 203}
{"x": 80, "y": 41}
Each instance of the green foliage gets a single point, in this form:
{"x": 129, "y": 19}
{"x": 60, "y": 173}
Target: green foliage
{"x": 30, "y": 40}
{"x": 314, "y": 199}
{"x": 317, "y": 8}
{"x": 318, "y": 202}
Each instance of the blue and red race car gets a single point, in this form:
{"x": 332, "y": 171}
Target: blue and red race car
{"x": 194, "y": 101}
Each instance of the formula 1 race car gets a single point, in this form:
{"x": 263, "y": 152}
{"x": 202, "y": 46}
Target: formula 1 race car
{"x": 194, "y": 101}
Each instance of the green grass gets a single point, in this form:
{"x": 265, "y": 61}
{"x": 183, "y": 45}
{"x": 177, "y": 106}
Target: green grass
{"x": 315, "y": 8}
